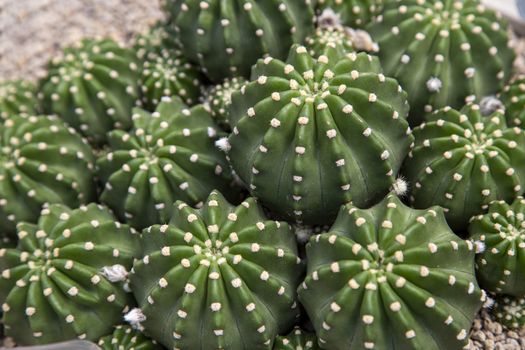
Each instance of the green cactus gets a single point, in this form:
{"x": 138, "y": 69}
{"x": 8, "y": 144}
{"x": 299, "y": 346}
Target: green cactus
{"x": 169, "y": 155}
{"x": 63, "y": 280}
{"x": 390, "y": 277}
{"x": 510, "y": 312}
{"x": 226, "y": 37}
{"x": 218, "y": 99}
{"x": 93, "y": 86}
{"x": 314, "y": 133}
{"x": 228, "y": 269}
{"x": 513, "y": 97}
{"x": 501, "y": 266}
{"x": 42, "y": 160}
{"x": 336, "y": 37}
{"x": 444, "y": 53}
{"x": 159, "y": 35}
{"x": 463, "y": 160}
{"x": 167, "y": 73}
{"x": 296, "y": 340}
{"x": 352, "y": 13}
{"x": 17, "y": 97}
{"x": 127, "y": 338}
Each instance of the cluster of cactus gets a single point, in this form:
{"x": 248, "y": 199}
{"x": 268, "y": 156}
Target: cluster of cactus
{"x": 269, "y": 164}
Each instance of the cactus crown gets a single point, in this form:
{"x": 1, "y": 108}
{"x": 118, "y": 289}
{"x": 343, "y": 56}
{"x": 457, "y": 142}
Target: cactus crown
{"x": 217, "y": 267}
{"x": 127, "y": 338}
{"x": 42, "y": 160}
{"x": 510, "y": 312}
{"x": 17, "y": 97}
{"x": 93, "y": 86}
{"x": 502, "y": 231}
{"x": 463, "y": 160}
{"x": 296, "y": 340}
{"x": 307, "y": 119}
{"x": 54, "y": 286}
{"x": 390, "y": 277}
{"x": 169, "y": 155}
{"x": 444, "y": 53}
{"x": 218, "y": 99}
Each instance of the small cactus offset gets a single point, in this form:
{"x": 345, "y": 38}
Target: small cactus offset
{"x": 218, "y": 99}
{"x": 169, "y": 155}
{"x": 352, "y": 13}
{"x": 513, "y": 97}
{"x": 93, "y": 86}
{"x": 127, "y": 338}
{"x": 337, "y": 37}
{"x": 444, "y": 53}
{"x": 510, "y": 312}
{"x": 463, "y": 160}
{"x": 226, "y": 37}
{"x": 390, "y": 277}
{"x": 296, "y": 340}
{"x": 315, "y": 132}
{"x": 65, "y": 278}
{"x": 42, "y": 161}
{"x": 156, "y": 36}
{"x": 166, "y": 72}
{"x": 501, "y": 265}
{"x": 17, "y": 97}
{"x": 228, "y": 269}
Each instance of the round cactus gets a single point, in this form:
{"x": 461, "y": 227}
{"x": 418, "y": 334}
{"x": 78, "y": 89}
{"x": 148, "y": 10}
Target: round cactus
{"x": 352, "y": 13}
{"x": 500, "y": 267}
{"x": 127, "y": 338}
{"x": 227, "y": 37}
{"x": 219, "y": 98}
{"x": 390, "y": 277}
{"x": 510, "y": 312}
{"x": 167, "y": 73}
{"x": 296, "y": 340}
{"x": 227, "y": 269}
{"x": 158, "y": 35}
{"x": 59, "y": 283}
{"x": 93, "y": 86}
{"x": 513, "y": 97}
{"x": 463, "y": 160}
{"x": 17, "y": 97}
{"x": 169, "y": 155}
{"x": 314, "y": 133}
{"x": 444, "y": 53}
{"x": 42, "y": 161}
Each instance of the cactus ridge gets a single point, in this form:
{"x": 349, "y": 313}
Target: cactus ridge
{"x": 227, "y": 269}
{"x": 93, "y": 86}
{"x": 53, "y": 285}
{"x": 513, "y": 97}
{"x": 463, "y": 160}
{"x": 169, "y": 155}
{"x": 127, "y": 338}
{"x": 17, "y": 97}
{"x": 300, "y": 127}
{"x": 500, "y": 267}
{"x": 444, "y": 53}
{"x": 390, "y": 277}
{"x": 296, "y": 340}
{"x": 42, "y": 160}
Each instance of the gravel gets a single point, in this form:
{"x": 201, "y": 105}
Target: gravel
{"x": 33, "y": 31}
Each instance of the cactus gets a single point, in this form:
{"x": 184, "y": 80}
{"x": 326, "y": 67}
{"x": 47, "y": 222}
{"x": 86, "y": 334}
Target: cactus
{"x": 296, "y": 340}
{"x": 167, "y": 73}
{"x": 444, "y": 53}
{"x": 17, "y": 97}
{"x": 500, "y": 267}
{"x": 352, "y": 13}
{"x": 390, "y": 277}
{"x": 169, "y": 155}
{"x": 127, "y": 338}
{"x": 463, "y": 160}
{"x": 58, "y": 283}
{"x": 510, "y": 312}
{"x": 42, "y": 161}
{"x": 513, "y": 97}
{"x": 314, "y": 133}
{"x": 227, "y": 37}
{"x": 158, "y": 35}
{"x": 228, "y": 269}
{"x": 93, "y": 87}
{"x": 218, "y": 99}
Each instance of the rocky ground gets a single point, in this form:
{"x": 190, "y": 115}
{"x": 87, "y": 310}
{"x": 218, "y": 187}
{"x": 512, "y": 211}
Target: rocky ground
{"x": 32, "y": 31}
